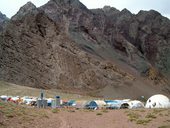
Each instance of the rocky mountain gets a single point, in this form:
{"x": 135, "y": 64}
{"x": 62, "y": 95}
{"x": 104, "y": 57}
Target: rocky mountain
{"x": 3, "y": 20}
{"x": 101, "y": 52}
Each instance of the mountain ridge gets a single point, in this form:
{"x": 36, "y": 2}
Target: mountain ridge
{"x": 64, "y": 45}
{"x": 3, "y": 20}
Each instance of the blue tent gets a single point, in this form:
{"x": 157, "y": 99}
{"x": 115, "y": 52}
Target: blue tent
{"x": 71, "y": 103}
{"x": 113, "y": 104}
{"x": 95, "y": 104}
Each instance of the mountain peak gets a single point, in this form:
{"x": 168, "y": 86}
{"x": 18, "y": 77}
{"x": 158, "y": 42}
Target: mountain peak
{"x": 126, "y": 11}
{"x": 110, "y": 10}
{"x": 66, "y": 1}
{"x": 29, "y": 6}
{"x": 1, "y": 13}
{"x": 145, "y": 15}
{"x": 150, "y": 12}
{"x": 74, "y": 3}
{"x": 2, "y": 17}
{"x": 3, "y": 20}
{"x": 106, "y": 8}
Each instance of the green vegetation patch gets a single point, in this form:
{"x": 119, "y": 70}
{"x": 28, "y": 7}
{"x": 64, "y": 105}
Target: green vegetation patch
{"x": 133, "y": 116}
{"x": 105, "y": 111}
{"x": 151, "y": 116}
{"x": 157, "y": 111}
{"x": 98, "y": 114}
{"x": 164, "y": 126}
{"x": 21, "y": 113}
{"x": 71, "y": 111}
{"x": 143, "y": 121}
{"x": 55, "y": 110}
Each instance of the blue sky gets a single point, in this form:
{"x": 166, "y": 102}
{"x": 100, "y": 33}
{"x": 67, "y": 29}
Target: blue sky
{"x": 10, "y": 7}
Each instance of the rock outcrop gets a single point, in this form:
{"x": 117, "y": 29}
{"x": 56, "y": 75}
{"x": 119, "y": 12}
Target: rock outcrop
{"x": 64, "y": 45}
{"x": 3, "y": 20}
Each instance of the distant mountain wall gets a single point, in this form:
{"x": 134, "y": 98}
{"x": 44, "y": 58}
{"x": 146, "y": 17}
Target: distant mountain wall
{"x": 64, "y": 45}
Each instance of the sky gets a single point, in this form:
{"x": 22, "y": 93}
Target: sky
{"x": 10, "y": 7}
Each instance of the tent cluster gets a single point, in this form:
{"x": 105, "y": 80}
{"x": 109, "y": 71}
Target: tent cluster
{"x": 156, "y": 101}
{"x": 19, "y": 100}
{"x": 27, "y": 100}
{"x": 110, "y": 104}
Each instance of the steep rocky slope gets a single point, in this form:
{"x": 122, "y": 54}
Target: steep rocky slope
{"x": 138, "y": 37}
{"x": 67, "y": 46}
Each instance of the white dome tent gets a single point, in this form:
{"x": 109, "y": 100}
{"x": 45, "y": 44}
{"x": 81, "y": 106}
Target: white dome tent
{"x": 158, "y": 101}
{"x": 134, "y": 104}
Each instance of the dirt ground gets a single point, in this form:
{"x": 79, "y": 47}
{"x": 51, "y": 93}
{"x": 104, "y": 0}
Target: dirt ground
{"x": 114, "y": 119}
{"x": 71, "y": 118}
